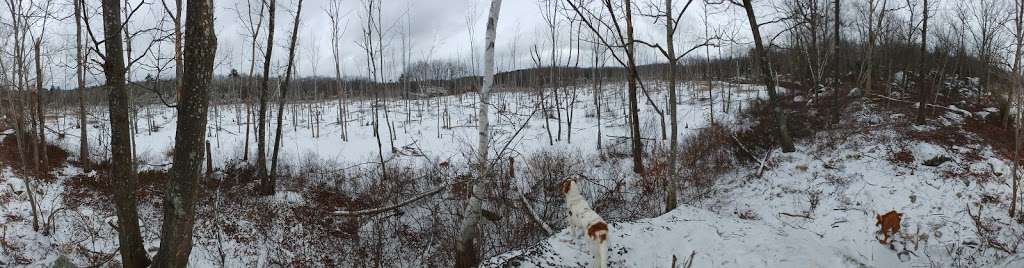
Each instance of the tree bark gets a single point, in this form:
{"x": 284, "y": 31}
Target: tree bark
{"x": 1015, "y": 96}
{"x": 781, "y": 131}
{"x": 634, "y": 109}
{"x": 284, "y": 97}
{"x": 200, "y": 49}
{"x": 80, "y": 61}
{"x": 925, "y": 84}
{"x": 265, "y": 188}
{"x": 673, "y": 184}
{"x": 133, "y": 253}
{"x": 836, "y": 66}
{"x": 466, "y": 250}
{"x": 40, "y": 104}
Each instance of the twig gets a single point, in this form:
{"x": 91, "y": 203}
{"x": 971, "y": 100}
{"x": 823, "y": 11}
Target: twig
{"x": 391, "y": 207}
{"x": 796, "y": 215}
{"x": 963, "y": 112}
{"x": 689, "y": 262}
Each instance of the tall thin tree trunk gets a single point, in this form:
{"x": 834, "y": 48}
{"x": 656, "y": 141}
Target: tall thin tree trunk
{"x": 1015, "y": 97}
{"x": 781, "y": 130}
{"x": 466, "y": 249}
{"x": 265, "y": 187}
{"x": 836, "y": 66}
{"x": 80, "y": 61}
{"x": 634, "y": 109}
{"x": 200, "y": 50}
{"x": 133, "y": 253}
{"x": 926, "y": 84}
{"x": 673, "y": 184}
{"x": 40, "y": 105}
{"x": 284, "y": 98}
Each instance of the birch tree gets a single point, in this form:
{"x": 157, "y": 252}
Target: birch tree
{"x": 466, "y": 249}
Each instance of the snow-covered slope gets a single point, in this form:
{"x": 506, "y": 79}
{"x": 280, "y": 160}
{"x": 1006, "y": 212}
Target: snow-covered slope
{"x": 816, "y": 207}
{"x": 713, "y": 241}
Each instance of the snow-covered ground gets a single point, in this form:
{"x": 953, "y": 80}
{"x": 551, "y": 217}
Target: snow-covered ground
{"x": 816, "y": 208}
{"x": 83, "y": 232}
{"x": 418, "y": 125}
{"x": 812, "y": 208}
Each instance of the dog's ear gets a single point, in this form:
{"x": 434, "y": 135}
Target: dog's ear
{"x": 566, "y": 185}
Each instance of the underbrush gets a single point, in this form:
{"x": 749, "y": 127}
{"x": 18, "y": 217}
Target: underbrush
{"x": 9, "y": 150}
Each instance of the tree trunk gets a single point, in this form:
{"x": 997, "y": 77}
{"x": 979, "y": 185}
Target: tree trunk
{"x": 836, "y": 66}
{"x": 284, "y": 97}
{"x": 40, "y": 104}
{"x": 673, "y": 184}
{"x": 1015, "y": 96}
{"x": 80, "y": 61}
{"x": 200, "y": 50}
{"x": 925, "y": 85}
{"x": 466, "y": 250}
{"x": 133, "y": 254}
{"x": 781, "y": 130}
{"x": 265, "y": 188}
{"x": 634, "y": 110}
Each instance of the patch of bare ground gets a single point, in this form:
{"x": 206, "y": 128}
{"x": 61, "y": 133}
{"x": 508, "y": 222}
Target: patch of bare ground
{"x": 9, "y": 157}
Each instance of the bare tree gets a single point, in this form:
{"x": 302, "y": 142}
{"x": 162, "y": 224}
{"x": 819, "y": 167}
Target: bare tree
{"x": 25, "y": 138}
{"x": 622, "y": 40}
{"x": 266, "y": 187}
{"x": 133, "y": 253}
{"x": 466, "y": 252}
{"x": 924, "y": 90}
{"x": 337, "y": 31}
{"x": 80, "y": 62}
{"x": 284, "y": 95}
{"x": 874, "y": 23}
{"x": 781, "y": 131}
{"x": 253, "y": 26}
{"x": 1015, "y": 96}
{"x": 200, "y": 49}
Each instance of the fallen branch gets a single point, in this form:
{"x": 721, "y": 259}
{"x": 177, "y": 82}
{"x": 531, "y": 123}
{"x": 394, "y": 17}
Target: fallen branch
{"x": 533, "y": 215}
{"x": 796, "y": 215}
{"x": 764, "y": 163}
{"x": 959, "y": 111}
{"x": 391, "y": 207}
{"x": 744, "y": 148}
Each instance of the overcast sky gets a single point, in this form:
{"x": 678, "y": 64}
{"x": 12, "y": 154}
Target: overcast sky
{"x": 439, "y": 30}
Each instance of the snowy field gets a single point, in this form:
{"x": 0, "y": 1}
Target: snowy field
{"x": 815, "y": 207}
{"x": 441, "y": 128}
{"x": 426, "y": 131}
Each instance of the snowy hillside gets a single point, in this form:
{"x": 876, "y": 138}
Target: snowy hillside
{"x": 816, "y": 207}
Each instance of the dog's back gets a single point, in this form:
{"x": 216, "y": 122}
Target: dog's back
{"x": 890, "y": 224}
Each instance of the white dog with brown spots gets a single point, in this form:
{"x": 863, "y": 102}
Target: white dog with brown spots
{"x": 583, "y": 218}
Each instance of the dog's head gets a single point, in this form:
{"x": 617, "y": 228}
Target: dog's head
{"x": 568, "y": 184}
